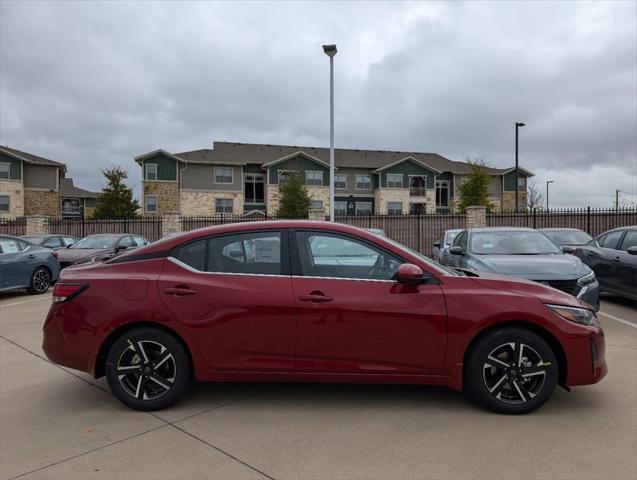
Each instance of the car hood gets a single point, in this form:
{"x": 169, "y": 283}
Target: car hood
{"x": 72, "y": 254}
{"x": 533, "y": 267}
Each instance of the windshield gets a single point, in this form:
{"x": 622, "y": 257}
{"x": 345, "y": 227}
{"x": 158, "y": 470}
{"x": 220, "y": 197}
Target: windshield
{"x": 96, "y": 242}
{"x": 35, "y": 240}
{"x": 512, "y": 243}
{"x": 451, "y": 234}
{"x": 425, "y": 259}
{"x": 568, "y": 237}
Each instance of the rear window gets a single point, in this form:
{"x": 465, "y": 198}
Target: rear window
{"x": 611, "y": 240}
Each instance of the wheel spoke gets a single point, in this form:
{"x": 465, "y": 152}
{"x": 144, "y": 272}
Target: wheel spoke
{"x": 517, "y": 353}
{"x": 141, "y": 387}
{"x": 162, "y": 361}
{"x": 126, "y": 368}
{"x": 498, "y": 386}
{"x": 160, "y": 381}
{"x": 497, "y": 361}
{"x": 533, "y": 371}
{"x": 522, "y": 391}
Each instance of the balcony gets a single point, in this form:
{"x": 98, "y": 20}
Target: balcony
{"x": 417, "y": 191}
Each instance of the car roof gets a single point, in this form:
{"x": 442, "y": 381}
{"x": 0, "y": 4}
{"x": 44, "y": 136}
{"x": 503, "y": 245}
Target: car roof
{"x": 561, "y": 230}
{"x": 501, "y": 229}
{"x": 628, "y": 227}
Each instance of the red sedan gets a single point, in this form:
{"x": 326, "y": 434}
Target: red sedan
{"x": 315, "y": 302}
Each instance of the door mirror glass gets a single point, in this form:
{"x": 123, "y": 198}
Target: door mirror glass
{"x": 437, "y": 244}
{"x": 409, "y": 274}
{"x": 568, "y": 249}
{"x": 632, "y": 250}
{"x": 456, "y": 250}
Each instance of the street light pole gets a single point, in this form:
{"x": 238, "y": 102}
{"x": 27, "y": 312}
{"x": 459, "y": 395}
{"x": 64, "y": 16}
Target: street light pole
{"x": 547, "y": 194}
{"x": 330, "y": 51}
{"x": 517, "y": 125}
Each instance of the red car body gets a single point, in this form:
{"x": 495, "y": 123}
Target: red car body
{"x": 275, "y": 327}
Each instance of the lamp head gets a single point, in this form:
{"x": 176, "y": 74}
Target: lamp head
{"x": 520, "y": 124}
{"x": 330, "y": 50}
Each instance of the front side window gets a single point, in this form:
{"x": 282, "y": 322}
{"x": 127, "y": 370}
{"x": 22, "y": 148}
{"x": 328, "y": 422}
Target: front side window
{"x": 327, "y": 255}
{"x": 53, "y": 242}
{"x": 66, "y": 241}
{"x": 223, "y": 205}
{"x": 611, "y": 240}
{"x": 151, "y": 171}
{"x": 151, "y": 203}
{"x": 630, "y": 240}
{"x": 340, "y": 208}
{"x": 363, "y": 182}
{"x": 340, "y": 181}
{"x": 394, "y": 208}
{"x": 317, "y": 205}
{"x": 139, "y": 241}
{"x": 5, "y": 169}
{"x": 126, "y": 242}
{"x": 394, "y": 180}
{"x": 223, "y": 175}
{"x": 314, "y": 179}
{"x": 363, "y": 208}
{"x": 4, "y": 203}
{"x": 9, "y": 245}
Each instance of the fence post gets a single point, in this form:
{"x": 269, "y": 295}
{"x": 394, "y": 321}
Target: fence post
{"x": 37, "y": 224}
{"x": 419, "y": 227}
{"x": 170, "y": 223}
{"x": 534, "y": 219}
{"x": 476, "y": 216}
{"x": 316, "y": 215}
{"x": 588, "y": 221}
{"x": 369, "y": 220}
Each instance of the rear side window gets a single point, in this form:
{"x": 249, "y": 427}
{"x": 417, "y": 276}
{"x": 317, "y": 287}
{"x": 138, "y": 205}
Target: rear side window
{"x": 630, "y": 240}
{"x": 612, "y": 240}
{"x": 53, "y": 242}
{"x": 68, "y": 241}
{"x": 194, "y": 255}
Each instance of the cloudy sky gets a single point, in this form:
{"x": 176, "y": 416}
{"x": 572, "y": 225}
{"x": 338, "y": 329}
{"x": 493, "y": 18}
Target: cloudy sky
{"x": 96, "y": 84}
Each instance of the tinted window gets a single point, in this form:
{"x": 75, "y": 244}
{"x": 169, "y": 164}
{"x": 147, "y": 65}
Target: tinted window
{"x": 630, "y": 240}
{"x": 611, "y": 240}
{"x": 53, "y": 242}
{"x": 326, "y": 255}
{"x": 256, "y": 253}
{"x": 194, "y": 254}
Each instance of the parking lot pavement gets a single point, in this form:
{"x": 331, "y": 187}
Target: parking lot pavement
{"x": 56, "y": 423}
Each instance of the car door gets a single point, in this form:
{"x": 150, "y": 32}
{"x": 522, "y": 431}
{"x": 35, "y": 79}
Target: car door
{"x": 234, "y": 294}
{"x": 626, "y": 265}
{"x": 606, "y": 259}
{"x": 459, "y": 261}
{"x": 353, "y": 317}
{"x": 15, "y": 264}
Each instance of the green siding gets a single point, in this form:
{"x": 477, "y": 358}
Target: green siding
{"x": 448, "y": 177}
{"x": 253, "y": 168}
{"x": 166, "y": 169}
{"x": 15, "y": 171}
{"x": 408, "y": 168}
{"x": 301, "y": 165}
{"x": 509, "y": 182}
{"x": 90, "y": 202}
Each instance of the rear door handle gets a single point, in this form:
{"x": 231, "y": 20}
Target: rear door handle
{"x": 31, "y": 255}
{"x": 315, "y": 298}
{"x": 616, "y": 259}
{"x": 180, "y": 291}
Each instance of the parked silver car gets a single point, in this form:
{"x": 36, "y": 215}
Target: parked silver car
{"x": 441, "y": 246}
{"x": 24, "y": 265}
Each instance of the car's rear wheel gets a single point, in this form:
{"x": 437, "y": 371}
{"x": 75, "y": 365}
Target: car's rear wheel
{"x": 40, "y": 281}
{"x": 148, "y": 369}
{"x": 511, "y": 370}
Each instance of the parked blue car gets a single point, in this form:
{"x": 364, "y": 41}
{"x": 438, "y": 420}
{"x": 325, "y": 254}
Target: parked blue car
{"x": 24, "y": 265}
{"x": 524, "y": 253}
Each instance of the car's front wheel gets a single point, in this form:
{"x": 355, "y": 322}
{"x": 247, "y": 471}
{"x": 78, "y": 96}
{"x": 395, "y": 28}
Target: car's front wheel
{"x": 511, "y": 370}
{"x": 148, "y": 369}
{"x": 40, "y": 281}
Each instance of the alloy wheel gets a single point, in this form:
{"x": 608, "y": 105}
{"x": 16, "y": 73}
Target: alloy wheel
{"x": 41, "y": 280}
{"x": 514, "y": 373}
{"x": 146, "y": 369}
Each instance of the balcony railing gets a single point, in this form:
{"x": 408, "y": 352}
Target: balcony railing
{"x": 417, "y": 191}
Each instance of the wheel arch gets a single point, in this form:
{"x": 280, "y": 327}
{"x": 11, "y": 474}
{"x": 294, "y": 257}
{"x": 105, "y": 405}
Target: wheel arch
{"x": 542, "y": 332}
{"x": 100, "y": 360}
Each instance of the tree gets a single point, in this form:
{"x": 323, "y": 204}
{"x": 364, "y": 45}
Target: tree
{"x": 534, "y": 197}
{"x": 295, "y": 201}
{"x": 475, "y": 190}
{"x": 116, "y": 199}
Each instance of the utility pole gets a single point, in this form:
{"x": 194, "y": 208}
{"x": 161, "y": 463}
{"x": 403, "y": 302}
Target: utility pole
{"x": 517, "y": 125}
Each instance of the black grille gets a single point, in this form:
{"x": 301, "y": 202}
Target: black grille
{"x": 568, "y": 286}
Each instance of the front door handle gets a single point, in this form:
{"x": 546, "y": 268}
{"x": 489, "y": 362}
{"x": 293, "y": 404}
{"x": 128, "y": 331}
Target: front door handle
{"x": 180, "y": 291}
{"x": 616, "y": 259}
{"x": 31, "y": 255}
{"x": 315, "y": 298}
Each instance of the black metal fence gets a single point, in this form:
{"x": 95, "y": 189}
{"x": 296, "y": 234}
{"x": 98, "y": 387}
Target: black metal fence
{"x": 149, "y": 227}
{"x": 15, "y": 226}
{"x": 192, "y": 222}
{"x": 592, "y": 220}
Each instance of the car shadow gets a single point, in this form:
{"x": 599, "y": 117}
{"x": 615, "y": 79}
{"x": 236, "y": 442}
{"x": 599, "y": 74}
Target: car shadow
{"x": 619, "y": 301}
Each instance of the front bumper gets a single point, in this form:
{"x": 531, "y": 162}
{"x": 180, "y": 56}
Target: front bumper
{"x": 586, "y": 358}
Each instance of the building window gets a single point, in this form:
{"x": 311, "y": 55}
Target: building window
{"x": 151, "y": 171}
{"x": 151, "y": 203}
{"x": 223, "y": 175}
{"x": 317, "y": 205}
{"x": 5, "y": 171}
{"x": 340, "y": 181}
{"x": 223, "y": 205}
{"x": 4, "y": 203}
{"x": 521, "y": 184}
{"x": 71, "y": 206}
{"x": 394, "y": 180}
{"x": 284, "y": 176}
{"x": 363, "y": 182}
{"x": 254, "y": 188}
{"x": 442, "y": 194}
{"x": 363, "y": 208}
{"x": 394, "y": 208}
{"x": 340, "y": 208}
{"x": 314, "y": 179}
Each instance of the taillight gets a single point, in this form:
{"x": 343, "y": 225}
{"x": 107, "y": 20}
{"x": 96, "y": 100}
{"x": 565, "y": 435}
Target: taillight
{"x": 66, "y": 291}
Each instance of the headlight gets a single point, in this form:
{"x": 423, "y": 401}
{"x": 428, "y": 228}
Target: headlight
{"x": 586, "y": 279}
{"x": 583, "y": 316}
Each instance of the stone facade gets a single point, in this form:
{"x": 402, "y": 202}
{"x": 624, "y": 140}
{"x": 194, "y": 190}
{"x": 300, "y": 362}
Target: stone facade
{"x": 272, "y": 199}
{"x": 476, "y": 217}
{"x": 170, "y": 223}
{"x": 382, "y": 196}
{"x": 508, "y": 201}
{"x": 322, "y": 194}
{"x": 15, "y": 191}
{"x": 167, "y": 194}
{"x": 37, "y": 225}
{"x": 203, "y": 203}
{"x": 41, "y": 202}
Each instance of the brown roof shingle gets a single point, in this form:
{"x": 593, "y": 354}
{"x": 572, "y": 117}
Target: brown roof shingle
{"x": 30, "y": 158}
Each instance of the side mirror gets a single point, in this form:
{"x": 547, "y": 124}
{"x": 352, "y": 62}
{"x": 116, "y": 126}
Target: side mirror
{"x": 632, "y": 250}
{"x": 119, "y": 248}
{"x": 409, "y": 274}
{"x": 69, "y": 246}
{"x": 568, "y": 249}
{"x": 437, "y": 244}
{"x": 456, "y": 250}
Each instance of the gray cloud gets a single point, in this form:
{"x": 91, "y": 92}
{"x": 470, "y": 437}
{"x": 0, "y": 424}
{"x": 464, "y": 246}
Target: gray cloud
{"x": 95, "y": 84}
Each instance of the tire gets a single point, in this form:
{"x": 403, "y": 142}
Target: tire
{"x": 40, "y": 281}
{"x": 494, "y": 380}
{"x": 148, "y": 369}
